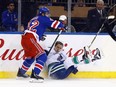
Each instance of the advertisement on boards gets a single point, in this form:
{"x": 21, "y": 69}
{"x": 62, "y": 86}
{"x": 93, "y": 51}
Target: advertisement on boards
{"x": 12, "y": 54}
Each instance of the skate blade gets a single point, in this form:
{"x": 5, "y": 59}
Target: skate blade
{"x": 22, "y": 78}
{"x": 36, "y": 81}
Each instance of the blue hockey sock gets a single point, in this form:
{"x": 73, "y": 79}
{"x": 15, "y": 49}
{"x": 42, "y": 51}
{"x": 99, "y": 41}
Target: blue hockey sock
{"x": 26, "y": 64}
{"x": 40, "y": 61}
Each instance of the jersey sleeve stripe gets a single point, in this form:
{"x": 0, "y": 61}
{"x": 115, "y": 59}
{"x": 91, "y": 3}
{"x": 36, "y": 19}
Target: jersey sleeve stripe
{"x": 55, "y": 24}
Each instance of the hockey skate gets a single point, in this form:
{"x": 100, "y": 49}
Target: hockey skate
{"x": 20, "y": 75}
{"x": 85, "y": 57}
{"x": 97, "y": 55}
{"x": 75, "y": 71}
{"x": 35, "y": 78}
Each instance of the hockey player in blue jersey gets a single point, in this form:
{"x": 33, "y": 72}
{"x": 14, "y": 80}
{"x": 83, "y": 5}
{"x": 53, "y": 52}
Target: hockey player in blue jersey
{"x": 41, "y": 22}
{"x": 32, "y": 49}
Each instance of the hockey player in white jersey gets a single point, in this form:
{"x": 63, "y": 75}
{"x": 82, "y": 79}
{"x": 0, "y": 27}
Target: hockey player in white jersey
{"x": 58, "y": 64}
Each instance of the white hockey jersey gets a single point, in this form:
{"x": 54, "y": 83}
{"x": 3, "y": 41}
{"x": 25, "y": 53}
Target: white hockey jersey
{"x": 58, "y": 57}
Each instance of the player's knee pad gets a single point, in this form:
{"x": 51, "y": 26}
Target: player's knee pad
{"x": 42, "y": 58}
{"x": 29, "y": 60}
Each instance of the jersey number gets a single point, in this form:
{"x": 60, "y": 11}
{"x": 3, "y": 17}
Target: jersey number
{"x": 34, "y": 25}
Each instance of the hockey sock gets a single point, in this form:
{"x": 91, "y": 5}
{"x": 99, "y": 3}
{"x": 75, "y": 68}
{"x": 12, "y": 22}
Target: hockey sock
{"x": 40, "y": 61}
{"x": 75, "y": 60}
{"x": 26, "y": 64}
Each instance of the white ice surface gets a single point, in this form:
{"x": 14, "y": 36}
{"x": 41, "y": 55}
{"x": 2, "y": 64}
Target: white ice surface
{"x": 59, "y": 83}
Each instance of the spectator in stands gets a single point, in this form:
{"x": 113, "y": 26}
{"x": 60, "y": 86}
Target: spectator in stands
{"x": 9, "y": 18}
{"x": 96, "y": 17}
{"x": 63, "y": 19}
{"x": 80, "y": 3}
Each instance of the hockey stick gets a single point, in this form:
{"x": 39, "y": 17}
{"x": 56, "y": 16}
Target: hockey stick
{"x": 96, "y": 35}
{"x": 109, "y": 32}
{"x": 54, "y": 42}
{"x": 101, "y": 28}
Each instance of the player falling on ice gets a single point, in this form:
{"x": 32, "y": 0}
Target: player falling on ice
{"x": 58, "y": 64}
{"x": 32, "y": 49}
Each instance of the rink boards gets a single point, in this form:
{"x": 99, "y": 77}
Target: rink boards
{"x": 12, "y": 55}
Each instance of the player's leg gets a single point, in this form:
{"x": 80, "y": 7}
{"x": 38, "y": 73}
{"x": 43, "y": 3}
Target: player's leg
{"x": 36, "y": 51}
{"x": 40, "y": 61}
{"x": 25, "y": 66}
{"x": 71, "y": 69}
{"x": 31, "y": 50}
{"x": 58, "y": 71}
{"x": 27, "y": 46}
{"x": 64, "y": 73}
{"x": 71, "y": 62}
{"x": 55, "y": 69}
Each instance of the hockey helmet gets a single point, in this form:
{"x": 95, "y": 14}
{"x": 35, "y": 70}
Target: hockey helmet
{"x": 62, "y": 18}
{"x": 43, "y": 10}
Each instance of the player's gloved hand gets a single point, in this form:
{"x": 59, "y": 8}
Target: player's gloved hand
{"x": 43, "y": 37}
{"x": 62, "y": 29}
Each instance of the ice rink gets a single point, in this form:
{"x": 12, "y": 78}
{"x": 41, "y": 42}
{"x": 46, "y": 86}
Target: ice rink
{"x": 59, "y": 83}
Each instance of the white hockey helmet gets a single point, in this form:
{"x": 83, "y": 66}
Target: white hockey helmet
{"x": 62, "y": 18}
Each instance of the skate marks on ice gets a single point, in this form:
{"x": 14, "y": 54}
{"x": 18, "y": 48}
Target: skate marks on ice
{"x": 59, "y": 83}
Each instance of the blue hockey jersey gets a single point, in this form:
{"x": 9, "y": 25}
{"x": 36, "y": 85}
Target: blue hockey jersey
{"x": 39, "y": 24}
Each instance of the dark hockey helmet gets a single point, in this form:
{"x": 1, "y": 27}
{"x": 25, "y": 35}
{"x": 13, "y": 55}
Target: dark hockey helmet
{"x": 44, "y": 10}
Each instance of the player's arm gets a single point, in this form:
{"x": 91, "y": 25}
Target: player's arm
{"x": 55, "y": 24}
